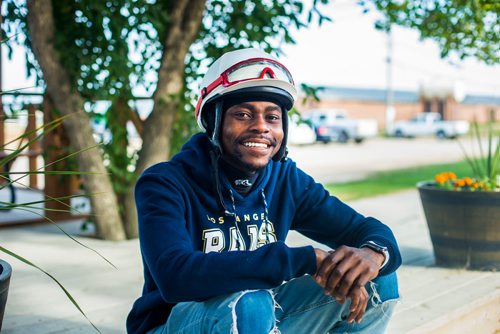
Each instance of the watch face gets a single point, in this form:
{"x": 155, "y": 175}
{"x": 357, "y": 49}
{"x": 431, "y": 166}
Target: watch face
{"x": 377, "y": 246}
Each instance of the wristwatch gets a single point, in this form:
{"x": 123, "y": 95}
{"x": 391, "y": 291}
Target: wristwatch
{"x": 379, "y": 249}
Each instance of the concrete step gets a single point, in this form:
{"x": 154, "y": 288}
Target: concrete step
{"x": 479, "y": 316}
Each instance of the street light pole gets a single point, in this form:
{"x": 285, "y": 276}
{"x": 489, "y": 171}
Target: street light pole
{"x": 390, "y": 111}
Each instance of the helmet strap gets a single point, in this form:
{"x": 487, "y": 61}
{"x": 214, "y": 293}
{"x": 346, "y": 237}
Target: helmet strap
{"x": 281, "y": 155}
{"x": 217, "y": 127}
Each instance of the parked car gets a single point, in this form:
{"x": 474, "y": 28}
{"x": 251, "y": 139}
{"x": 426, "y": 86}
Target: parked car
{"x": 429, "y": 123}
{"x": 300, "y": 132}
{"x": 333, "y": 125}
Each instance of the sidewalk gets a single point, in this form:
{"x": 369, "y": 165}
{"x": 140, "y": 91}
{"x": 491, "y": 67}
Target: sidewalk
{"x": 434, "y": 300}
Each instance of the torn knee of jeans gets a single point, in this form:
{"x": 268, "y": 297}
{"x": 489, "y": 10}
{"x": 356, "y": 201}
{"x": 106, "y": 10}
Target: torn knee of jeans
{"x": 253, "y": 298}
{"x": 383, "y": 307}
{"x": 380, "y": 296}
{"x": 375, "y": 298}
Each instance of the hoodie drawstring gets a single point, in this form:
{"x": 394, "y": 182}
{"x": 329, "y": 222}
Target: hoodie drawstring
{"x": 214, "y": 157}
{"x": 266, "y": 215}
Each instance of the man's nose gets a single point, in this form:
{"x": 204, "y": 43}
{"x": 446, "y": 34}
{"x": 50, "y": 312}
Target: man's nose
{"x": 260, "y": 124}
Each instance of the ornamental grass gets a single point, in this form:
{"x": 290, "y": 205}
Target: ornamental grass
{"x": 485, "y": 168}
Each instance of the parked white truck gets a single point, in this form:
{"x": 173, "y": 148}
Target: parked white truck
{"x": 429, "y": 123}
{"x": 333, "y": 125}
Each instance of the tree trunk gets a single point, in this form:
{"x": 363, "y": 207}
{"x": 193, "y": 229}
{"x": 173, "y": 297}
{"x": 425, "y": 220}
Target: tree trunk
{"x": 120, "y": 114}
{"x": 130, "y": 214}
{"x": 185, "y": 21}
{"x": 69, "y": 102}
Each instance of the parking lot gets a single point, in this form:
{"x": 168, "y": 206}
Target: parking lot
{"x": 336, "y": 162}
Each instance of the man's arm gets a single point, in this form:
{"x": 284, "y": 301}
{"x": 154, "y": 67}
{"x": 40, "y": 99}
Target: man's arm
{"x": 329, "y": 221}
{"x": 343, "y": 273}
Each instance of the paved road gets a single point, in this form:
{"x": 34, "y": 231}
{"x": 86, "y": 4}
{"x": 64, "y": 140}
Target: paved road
{"x": 336, "y": 162}
{"x": 344, "y": 162}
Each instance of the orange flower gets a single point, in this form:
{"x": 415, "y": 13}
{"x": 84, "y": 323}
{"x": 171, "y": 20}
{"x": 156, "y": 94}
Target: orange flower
{"x": 468, "y": 181}
{"x": 459, "y": 183}
{"x": 440, "y": 178}
{"x": 451, "y": 176}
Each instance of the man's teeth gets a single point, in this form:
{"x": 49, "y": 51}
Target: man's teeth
{"x": 251, "y": 144}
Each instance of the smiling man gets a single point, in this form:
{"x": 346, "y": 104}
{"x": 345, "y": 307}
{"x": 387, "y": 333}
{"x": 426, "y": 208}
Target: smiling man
{"x": 213, "y": 223}
{"x": 252, "y": 133}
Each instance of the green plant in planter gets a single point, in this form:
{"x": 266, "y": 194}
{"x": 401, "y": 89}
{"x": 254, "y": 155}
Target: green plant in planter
{"x": 462, "y": 213}
{"x": 486, "y": 168}
{"x": 9, "y": 181}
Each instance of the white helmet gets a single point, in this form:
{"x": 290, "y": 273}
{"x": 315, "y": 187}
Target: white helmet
{"x": 244, "y": 75}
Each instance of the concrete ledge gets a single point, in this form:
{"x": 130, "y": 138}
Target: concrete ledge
{"x": 479, "y": 316}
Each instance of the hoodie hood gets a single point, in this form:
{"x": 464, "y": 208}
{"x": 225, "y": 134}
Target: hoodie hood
{"x": 195, "y": 158}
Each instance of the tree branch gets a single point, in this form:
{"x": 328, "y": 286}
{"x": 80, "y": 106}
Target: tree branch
{"x": 185, "y": 23}
{"x": 41, "y": 32}
{"x": 183, "y": 29}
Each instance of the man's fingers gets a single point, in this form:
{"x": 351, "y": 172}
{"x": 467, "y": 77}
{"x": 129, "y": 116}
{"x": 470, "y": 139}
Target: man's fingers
{"x": 327, "y": 266}
{"x": 347, "y": 282}
{"x": 353, "y": 308}
{"x": 343, "y": 279}
{"x": 348, "y": 268}
{"x": 362, "y": 307}
{"x": 359, "y": 301}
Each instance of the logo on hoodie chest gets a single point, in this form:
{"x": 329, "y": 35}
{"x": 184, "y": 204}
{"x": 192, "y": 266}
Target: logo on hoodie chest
{"x": 246, "y": 218}
{"x": 244, "y": 182}
{"x": 249, "y": 236}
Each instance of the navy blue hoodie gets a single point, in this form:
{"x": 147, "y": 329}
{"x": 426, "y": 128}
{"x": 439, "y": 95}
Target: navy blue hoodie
{"x": 193, "y": 251}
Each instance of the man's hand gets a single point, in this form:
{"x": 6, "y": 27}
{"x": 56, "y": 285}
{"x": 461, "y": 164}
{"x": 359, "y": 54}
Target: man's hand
{"x": 343, "y": 274}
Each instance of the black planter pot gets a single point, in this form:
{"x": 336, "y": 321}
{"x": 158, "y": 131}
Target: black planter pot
{"x": 464, "y": 226}
{"x": 5, "y": 272}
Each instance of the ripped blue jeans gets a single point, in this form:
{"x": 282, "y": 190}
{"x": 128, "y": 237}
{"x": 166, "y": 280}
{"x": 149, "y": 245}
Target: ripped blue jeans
{"x": 298, "y": 306}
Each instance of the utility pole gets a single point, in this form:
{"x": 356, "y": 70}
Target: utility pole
{"x": 390, "y": 111}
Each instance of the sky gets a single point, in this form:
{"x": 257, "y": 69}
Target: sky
{"x": 350, "y": 53}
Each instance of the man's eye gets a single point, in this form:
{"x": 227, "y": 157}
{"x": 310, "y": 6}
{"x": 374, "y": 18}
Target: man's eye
{"x": 273, "y": 117}
{"x": 242, "y": 115}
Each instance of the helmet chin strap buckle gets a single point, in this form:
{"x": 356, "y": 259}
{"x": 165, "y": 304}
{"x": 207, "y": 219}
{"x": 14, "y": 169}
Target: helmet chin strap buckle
{"x": 281, "y": 155}
{"x": 285, "y": 155}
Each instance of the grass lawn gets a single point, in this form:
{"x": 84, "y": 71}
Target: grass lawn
{"x": 386, "y": 182}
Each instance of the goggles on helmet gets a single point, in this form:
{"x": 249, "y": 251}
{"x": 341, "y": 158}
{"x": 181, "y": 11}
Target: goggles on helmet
{"x": 247, "y": 70}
